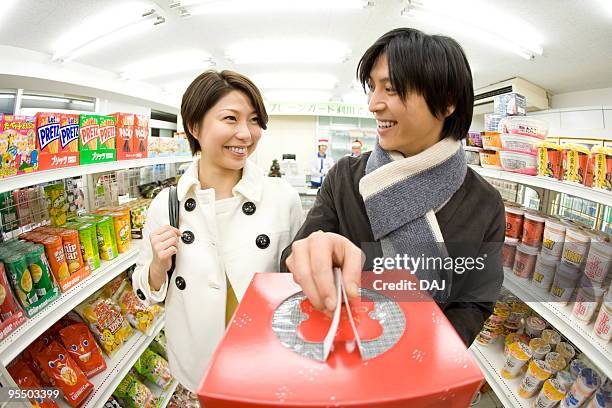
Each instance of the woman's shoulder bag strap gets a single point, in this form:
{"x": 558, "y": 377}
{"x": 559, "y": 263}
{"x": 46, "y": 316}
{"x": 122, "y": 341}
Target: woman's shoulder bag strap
{"x": 173, "y": 215}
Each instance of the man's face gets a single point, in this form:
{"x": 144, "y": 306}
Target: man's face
{"x": 322, "y": 149}
{"x": 407, "y": 125}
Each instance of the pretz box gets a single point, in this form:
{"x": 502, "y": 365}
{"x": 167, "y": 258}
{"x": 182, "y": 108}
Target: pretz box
{"x": 97, "y": 138}
{"x": 57, "y": 140}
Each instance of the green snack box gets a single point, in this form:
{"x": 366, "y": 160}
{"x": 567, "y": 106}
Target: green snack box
{"x": 97, "y": 136}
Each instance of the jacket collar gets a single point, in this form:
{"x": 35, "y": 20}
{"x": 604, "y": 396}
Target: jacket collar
{"x": 250, "y": 185}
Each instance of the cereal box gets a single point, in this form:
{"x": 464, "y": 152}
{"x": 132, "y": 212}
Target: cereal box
{"x": 18, "y": 145}
{"x": 125, "y": 136}
{"x": 57, "y": 140}
{"x": 96, "y": 139}
{"x": 141, "y": 133}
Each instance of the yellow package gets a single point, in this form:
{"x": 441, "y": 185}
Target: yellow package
{"x": 140, "y": 316}
{"x": 56, "y": 204}
{"x": 106, "y": 322}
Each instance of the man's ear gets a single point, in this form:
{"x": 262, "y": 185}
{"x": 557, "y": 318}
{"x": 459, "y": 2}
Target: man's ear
{"x": 449, "y": 111}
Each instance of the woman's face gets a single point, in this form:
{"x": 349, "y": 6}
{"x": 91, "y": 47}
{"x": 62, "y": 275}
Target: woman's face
{"x": 407, "y": 125}
{"x": 229, "y": 132}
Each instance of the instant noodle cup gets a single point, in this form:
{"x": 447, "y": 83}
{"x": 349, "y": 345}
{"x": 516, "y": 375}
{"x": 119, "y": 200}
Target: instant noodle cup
{"x": 39, "y": 269}
{"x": 154, "y": 368}
{"x": 552, "y": 392}
{"x": 603, "y": 396}
{"x": 55, "y": 255}
{"x": 524, "y": 261}
{"x": 518, "y": 355}
{"x": 134, "y": 394}
{"x": 21, "y": 277}
{"x": 72, "y": 249}
{"x": 514, "y": 221}
{"x": 533, "y": 229}
{"x": 8, "y": 304}
{"x": 576, "y": 246}
{"x": 564, "y": 283}
{"x": 89, "y": 245}
{"x": 81, "y": 346}
{"x": 551, "y": 337}
{"x": 508, "y": 253}
{"x": 513, "y": 338}
{"x": 575, "y": 162}
{"x": 587, "y": 300}
{"x": 490, "y": 159}
{"x": 566, "y": 379}
{"x": 575, "y": 367}
{"x": 598, "y": 260}
{"x": 544, "y": 272}
{"x": 550, "y": 160}
{"x": 107, "y": 245}
{"x": 538, "y": 371}
{"x": 123, "y": 230}
{"x": 603, "y": 323}
{"x": 553, "y": 237}
{"x": 555, "y": 361}
{"x": 534, "y": 326}
{"x": 602, "y": 167}
{"x": 566, "y": 351}
{"x": 491, "y": 141}
{"x": 65, "y": 373}
{"x": 540, "y": 348}
{"x": 586, "y": 383}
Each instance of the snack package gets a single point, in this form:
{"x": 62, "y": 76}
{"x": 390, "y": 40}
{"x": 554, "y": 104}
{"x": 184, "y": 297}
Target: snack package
{"x": 140, "y": 316}
{"x": 141, "y": 136}
{"x": 65, "y": 373}
{"x": 154, "y": 368}
{"x": 159, "y": 344}
{"x": 97, "y": 139}
{"x": 123, "y": 230}
{"x": 18, "y": 145}
{"x": 82, "y": 347}
{"x": 55, "y": 255}
{"x": 72, "y": 249}
{"x": 106, "y": 322}
{"x": 25, "y": 378}
{"x": 8, "y": 303}
{"x": 57, "y": 139}
{"x": 107, "y": 241}
{"x": 56, "y": 204}
{"x": 134, "y": 394}
{"x": 125, "y": 135}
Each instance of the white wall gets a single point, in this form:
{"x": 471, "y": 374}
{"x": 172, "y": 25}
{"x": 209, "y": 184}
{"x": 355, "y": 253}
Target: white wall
{"x": 288, "y": 134}
{"x": 590, "y": 97}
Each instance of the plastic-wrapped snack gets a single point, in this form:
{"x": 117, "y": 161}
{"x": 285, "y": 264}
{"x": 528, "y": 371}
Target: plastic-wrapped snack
{"x": 106, "y": 322}
{"x": 154, "y": 368}
{"x": 183, "y": 398}
{"x": 141, "y": 316}
{"x": 82, "y": 347}
{"x": 25, "y": 378}
{"x": 134, "y": 394}
{"x": 112, "y": 403}
{"x": 65, "y": 373}
{"x": 159, "y": 345}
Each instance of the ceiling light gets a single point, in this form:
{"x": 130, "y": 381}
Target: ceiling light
{"x": 105, "y": 28}
{"x": 266, "y": 6}
{"x": 478, "y": 20}
{"x": 180, "y": 61}
{"x": 45, "y": 98}
{"x": 295, "y": 81}
{"x": 300, "y": 95}
{"x": 287, "y": 51}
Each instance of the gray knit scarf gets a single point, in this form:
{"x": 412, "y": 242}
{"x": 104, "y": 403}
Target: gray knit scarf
{"x": 401, "y": 196}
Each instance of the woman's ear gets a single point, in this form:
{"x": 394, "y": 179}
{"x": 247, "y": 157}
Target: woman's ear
{"x": 193, "y": 129}
{"x": 449, "y": 111}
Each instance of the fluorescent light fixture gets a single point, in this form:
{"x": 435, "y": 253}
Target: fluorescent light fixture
{"x": 295, "y": 81}
{"x": 288, "y": 51}
{"x": 195, "y": 7}
{"x": 110, "y": 26}
{"x": 179, "y": 61}
{"x": 299, "y": 95}
{"x": 7, "y": 96}
{"x": 478, "y": 20}
{"x": 81, "y": 103}
{"x": 45, "y": 98}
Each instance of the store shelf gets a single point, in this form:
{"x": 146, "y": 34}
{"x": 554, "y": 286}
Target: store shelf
{"x": 164, "y": 396}
{"x": 599, "y": 196}
{"x": 491, "y": 360}
{"x": 117, "y": 367}
{"x": 560, "y": 317}
{"x": 18, "y": 340}
{"x": 25, "y": 180}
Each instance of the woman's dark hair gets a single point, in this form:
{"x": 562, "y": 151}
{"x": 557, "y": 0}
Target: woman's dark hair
{"x": 206, "y": 90}
{"x": 433, "y": 66}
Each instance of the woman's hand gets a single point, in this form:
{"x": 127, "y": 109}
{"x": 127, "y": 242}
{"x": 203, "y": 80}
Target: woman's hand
{"x": 164, "y": 244}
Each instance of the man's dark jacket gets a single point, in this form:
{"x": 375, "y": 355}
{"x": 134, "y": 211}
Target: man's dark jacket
{"x": 472, "y": 223}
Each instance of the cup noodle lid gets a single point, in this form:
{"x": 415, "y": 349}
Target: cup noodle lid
{"x": 526, "y": 249}
{"x": 535, "y": 216}
{"x": 555, "y": 223}
{"x": 511, "y": 241}
{"x": 514, "y": 209}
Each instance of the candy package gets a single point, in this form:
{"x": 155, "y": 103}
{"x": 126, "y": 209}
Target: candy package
{"x": 106, "y": 322}
{"x": 159, "y": 345}
{"x": 134, "y": 394}
{"x": 140, "y": 316}
{"x": 82, "y": 347}
{"x": 154, "y": 368}
{"x": 65, "y": 373}
{"x": 25, "y": 378}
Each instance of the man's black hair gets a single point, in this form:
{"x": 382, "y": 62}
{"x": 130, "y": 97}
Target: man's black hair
{"x": 433, "y": 66}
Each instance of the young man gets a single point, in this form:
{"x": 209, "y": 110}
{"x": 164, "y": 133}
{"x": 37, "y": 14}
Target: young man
{"x": 414, "y": 191}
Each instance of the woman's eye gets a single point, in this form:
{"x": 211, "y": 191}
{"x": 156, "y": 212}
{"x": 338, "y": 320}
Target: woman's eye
{"x": 255, "y": 120}
{"x": 230, "y": 117}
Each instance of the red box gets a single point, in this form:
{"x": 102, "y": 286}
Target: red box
{"x": 429, "y": 365}
{"x": 141, "y": 132}
{"x": 125, "y": 136}
{"x": 57, "y": 140}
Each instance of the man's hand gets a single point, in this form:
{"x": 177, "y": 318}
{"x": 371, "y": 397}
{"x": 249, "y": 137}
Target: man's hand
{"x": 312, "y": 261}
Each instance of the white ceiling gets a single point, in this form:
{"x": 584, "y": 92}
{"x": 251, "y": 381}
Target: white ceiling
{"x": 577, "y": 38}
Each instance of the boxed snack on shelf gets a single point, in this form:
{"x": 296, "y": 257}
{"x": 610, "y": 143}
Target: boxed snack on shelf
{"x": 162, "y": 146}
{"x": 575, "y": 162}
{"x": 125, "y": 135}
{"x": 474, "y": 139}
{"x": 18, "y": 145}
{"x": 550, "y": 160}
{"x": 491, "y": 141}
{"x": 491, "y": 122}
{"x": 141, "y": 132}
{"x": 490, "y": 159}
{"x": 516, "y": 162}
{"x": 524, "y": 126}
{"x": 510, "y": 104}
{"x": 601, "y": 159}
{"x": 97, "y": 139}
{"x": 57, "y": 140}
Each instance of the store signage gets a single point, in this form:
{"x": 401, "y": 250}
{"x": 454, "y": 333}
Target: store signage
{"x": 318, "y": 109}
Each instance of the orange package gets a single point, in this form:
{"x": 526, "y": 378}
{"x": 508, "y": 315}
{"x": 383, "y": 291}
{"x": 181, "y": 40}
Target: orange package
{"x": 55, "y": 255}
{"x": 65, "y": 373}
{"x": 25, "y": 378}
{"x": 83, "y": 349}
{"x": 72, "y": 249}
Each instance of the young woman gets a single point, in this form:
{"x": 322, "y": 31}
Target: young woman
{"x": 414, "y": 191}
{"x": 233, "y": 222}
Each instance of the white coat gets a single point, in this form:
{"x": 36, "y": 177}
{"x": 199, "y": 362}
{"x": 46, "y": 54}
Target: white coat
{"x": 320, "y": 167}
{"x": 196, "y": 296}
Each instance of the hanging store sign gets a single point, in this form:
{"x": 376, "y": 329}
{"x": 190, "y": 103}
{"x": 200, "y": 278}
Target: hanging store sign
{"x": 318, "y": 109}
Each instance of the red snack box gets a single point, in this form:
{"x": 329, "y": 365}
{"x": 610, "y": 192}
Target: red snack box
{"x": 126, "y": 143}
{"x": 141, "y": 133}
{"x": 428, "y": 366}
{"x": 18, "y": 145}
